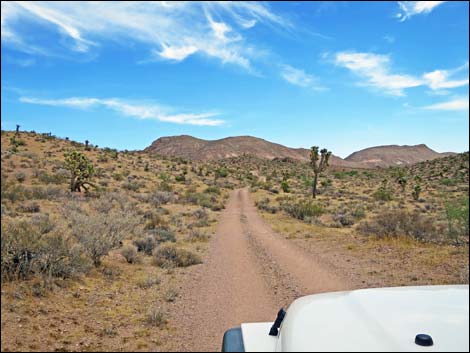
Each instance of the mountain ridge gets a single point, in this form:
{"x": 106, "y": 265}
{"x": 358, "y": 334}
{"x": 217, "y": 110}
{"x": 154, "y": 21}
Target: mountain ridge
{"x": 193, "y": 148}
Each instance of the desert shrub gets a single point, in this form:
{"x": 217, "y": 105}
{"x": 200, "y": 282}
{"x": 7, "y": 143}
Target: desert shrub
{"x": 221, "y": 173}
{"x": 131, "y": 185}
{"x": 155, "y": 317}
{"x": 154, "y": 221}
{"x": 170, "y": 255}
{"x": 45, "y": 192}
{"x": 448, "y": 182}
{"x": 394, "y": 223}
{"x": 100, "y": 232}
{"x": 457, "y": 212}
{"x": 197, "y": 236}
{"x": 358, "y": 212}
{"x": 28, "y": 250}
{"x": 30, "y": 207}
{"x": 171, "y": 295}
{"x": 303, "y": 210}
{"x": 163, "y": 235}
{"x": 285, "y": 186}
{"x": 161, "y": 198}
{"x": 57, "y": 178}
{"x": 149, "y": 282}
{"x": 212, "y": 190}
{"x": 129, "y": 252}
{"x": 201, "y": 199}
{"x": 180, "y": 178}
{"x": 146, "y": 244}
{"x": 14, "y": 192}
{"x": 118, "y": 176}
{"x": 264, "y": 205}
{"x": 343, "y": 218}
{"x": 202, "y": 217}
{"x": 20, "y": 177}
{"x": 383, "y": 194}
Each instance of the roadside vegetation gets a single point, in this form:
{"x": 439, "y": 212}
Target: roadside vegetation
{"x": 86, "y": 227}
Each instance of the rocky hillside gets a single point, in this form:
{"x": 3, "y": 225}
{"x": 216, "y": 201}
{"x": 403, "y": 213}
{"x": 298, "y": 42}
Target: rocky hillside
{"x": 197, "y": 149}
{"x": 384, "y": 156}
{"x": 210, "y": 150}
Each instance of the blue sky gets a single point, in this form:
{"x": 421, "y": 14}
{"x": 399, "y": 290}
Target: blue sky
{"x": 342, "y": 75}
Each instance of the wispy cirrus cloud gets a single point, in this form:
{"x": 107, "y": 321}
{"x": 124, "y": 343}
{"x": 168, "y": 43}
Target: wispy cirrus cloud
{"x": 170, "y": 30}
{"x": 300, "y": 78}
{"x": 376, "y": 71}
{"x": 135, "y": 110}
{"x": 411, "y": 8}
{"x": 456, "y": 104}
{"x": 440, "y": 79}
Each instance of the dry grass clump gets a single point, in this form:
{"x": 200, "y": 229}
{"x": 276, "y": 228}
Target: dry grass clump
{"x": 169, "y": 255}
{"x": 129, "y": 252}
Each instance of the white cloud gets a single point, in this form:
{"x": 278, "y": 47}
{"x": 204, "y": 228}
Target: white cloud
{"x": 170, "y": 30}
{"x": 374, "y": 68}
{"x": 135, "y": 110}
{"x": 177, "y": 54}
{"x": 458, "y": 104}
{"x": 439, "y": 79}
{"x": 376, "y": 72}
{"x": 411, "y": 8}
{"x": 300, "y": 78}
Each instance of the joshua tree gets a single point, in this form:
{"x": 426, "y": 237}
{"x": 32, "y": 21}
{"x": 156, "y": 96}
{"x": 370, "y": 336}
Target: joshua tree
{"x": 318, "y": 166}
{"x": 81, "y": 170}
{"x": 402, "y": 180}
{"x": 416, "y": 192}
{"x": 86, "y": 144}
{"x": 17, "y": 129}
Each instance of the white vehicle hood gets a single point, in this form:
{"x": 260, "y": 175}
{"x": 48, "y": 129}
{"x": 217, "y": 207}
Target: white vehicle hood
{"x": 385, "y": 319}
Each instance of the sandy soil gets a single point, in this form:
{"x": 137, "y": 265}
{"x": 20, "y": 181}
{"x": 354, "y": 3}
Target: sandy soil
{"x": 250, "y": 273}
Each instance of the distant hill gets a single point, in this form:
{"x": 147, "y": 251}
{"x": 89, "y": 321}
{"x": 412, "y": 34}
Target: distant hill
{"x": 193, "y": 148}
{"x": 204, "y": 150}
{"x": 384, "y": 156}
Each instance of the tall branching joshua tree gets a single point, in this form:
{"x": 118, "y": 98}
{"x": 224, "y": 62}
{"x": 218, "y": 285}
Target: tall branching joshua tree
{"x": 81, "y": 170}
{"x": 318, "y": 166}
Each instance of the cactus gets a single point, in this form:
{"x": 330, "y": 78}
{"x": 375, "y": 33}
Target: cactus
{"x": 81, "y": 170}
{"x": 318, "y": 166}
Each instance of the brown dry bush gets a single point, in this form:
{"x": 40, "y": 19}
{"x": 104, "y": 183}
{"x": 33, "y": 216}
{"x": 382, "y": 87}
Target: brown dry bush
{"x": 129, "y": 252}
{"x": 394, "y": 223}
{"x": 100, "y": 228}
{"x": 170, "y": 255}
{"x": 28, "y": 249}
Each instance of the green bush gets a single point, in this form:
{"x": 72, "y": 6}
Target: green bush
{"x": 303, "y": 210}
{"x": 448, "y": 182}
{"x": 383, "y": 194}
{"x": 457, "y": 218}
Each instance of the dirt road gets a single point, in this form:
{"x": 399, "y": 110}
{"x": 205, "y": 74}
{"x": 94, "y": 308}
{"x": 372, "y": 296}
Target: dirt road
{"x": 251, "y": 272}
